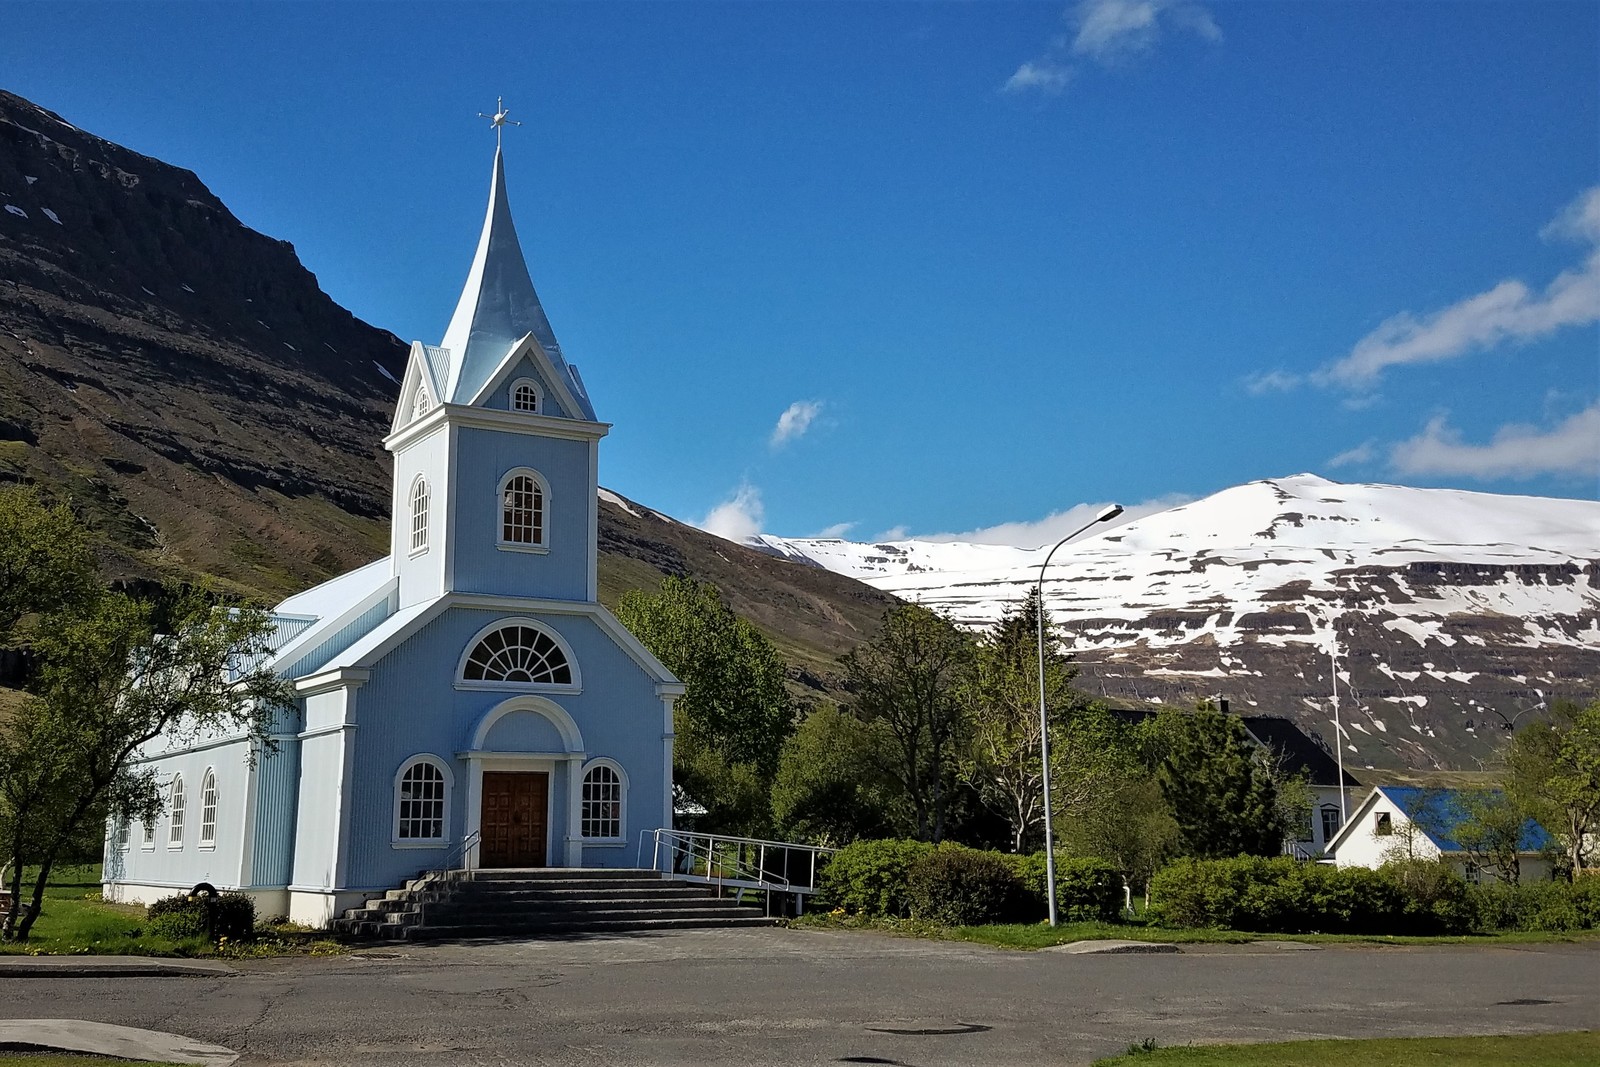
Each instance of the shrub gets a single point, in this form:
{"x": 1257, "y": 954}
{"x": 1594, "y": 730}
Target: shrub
{"x": 1278, "y": 895}
{"x": 233, "y": 915}
{"x": 870, "y": 878}
{"x": 1554, "y": 906}
{"x": 1087, "y": 890}
{"x": 964, "y": 887}
{"x": 1437, "y": 900}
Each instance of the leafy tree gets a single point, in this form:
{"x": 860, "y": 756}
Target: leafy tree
{"x": 736, "y": 713}
{"x": 1002, "y": 761}
{"x": 46, "y": 564}
{"x": 1115, "y": 808}
{"x": 1219, "y": 786}
{"x": 908, "y": 684}
{"x": 1490, "y": 826}
{"x": 110, "y": 684}
{"x": 1553, "y": 772}
{"x": 826, "y": 789}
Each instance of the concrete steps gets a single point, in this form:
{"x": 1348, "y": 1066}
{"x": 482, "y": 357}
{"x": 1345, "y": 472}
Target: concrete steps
{"x": 542, "y": 902}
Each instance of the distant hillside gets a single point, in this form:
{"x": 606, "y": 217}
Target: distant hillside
{"x": 212, "y": 412}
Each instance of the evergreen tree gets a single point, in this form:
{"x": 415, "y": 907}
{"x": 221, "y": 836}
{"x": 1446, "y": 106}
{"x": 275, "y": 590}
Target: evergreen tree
{"x": 1217, "y": 783}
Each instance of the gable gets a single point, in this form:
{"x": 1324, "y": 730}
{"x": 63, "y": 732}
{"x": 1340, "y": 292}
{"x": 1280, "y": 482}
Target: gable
{"x": 498, "y": 393}
{"x": 420, "y": 378}
{"x": 564, "y": 386}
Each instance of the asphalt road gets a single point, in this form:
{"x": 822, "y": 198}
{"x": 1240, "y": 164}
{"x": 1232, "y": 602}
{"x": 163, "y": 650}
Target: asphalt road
{"x": 807, "y": 997}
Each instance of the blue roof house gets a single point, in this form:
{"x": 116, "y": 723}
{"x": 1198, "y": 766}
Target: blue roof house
{"x": 464, "y": 701}
{"x": 1401, "y": 822}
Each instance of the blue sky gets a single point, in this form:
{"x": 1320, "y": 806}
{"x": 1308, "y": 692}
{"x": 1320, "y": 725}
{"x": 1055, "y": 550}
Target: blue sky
{"x": 994, "y": 260}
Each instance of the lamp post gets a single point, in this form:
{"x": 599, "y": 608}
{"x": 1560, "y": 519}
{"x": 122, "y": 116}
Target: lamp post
{"x": 1108, "y": 513}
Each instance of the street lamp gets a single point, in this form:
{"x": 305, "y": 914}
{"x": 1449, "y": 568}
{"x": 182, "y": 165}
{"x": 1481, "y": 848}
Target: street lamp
{"x": 1108, "y": 513}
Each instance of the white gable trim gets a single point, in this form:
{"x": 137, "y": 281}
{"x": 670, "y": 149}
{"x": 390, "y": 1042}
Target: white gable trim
{"x": 419, "y": 375}
{"x": 1354, "y": 820}
{"x": 555, "y": 381}
{"x": 495, "y": 419}
{"x": 666, "y": 685}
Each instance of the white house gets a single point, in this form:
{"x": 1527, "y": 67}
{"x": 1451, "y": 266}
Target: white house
{"x": 1401, "y": 822}
{"x": 466, "y": 698}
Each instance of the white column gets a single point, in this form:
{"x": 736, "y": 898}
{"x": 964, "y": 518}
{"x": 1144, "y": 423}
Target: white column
{"x": 574, "y": 851}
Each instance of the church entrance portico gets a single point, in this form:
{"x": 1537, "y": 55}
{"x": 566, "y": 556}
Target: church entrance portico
{"x": 515, "y": 821}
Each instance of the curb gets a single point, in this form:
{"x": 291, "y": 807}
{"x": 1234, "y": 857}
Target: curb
{"x": 108, "y": 967}
{"x": 104, "y": 1039}
{"x": 1115, "y": 948}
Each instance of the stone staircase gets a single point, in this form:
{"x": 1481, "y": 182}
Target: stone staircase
{"x": 543, "y": 901}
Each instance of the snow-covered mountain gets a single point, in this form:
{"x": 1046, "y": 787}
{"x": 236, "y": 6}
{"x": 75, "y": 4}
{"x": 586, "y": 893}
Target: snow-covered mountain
{"x": 1452, "y": 611}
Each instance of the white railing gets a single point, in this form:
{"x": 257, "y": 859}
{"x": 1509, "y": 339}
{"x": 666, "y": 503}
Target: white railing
{"x": 738, "y": 863}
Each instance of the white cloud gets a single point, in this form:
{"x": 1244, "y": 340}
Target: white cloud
{"x": 795, "y": 421}
{"x": 1509, "y": 312}
{"x": 738, "y": 518}
{"x": 1041, "y": 75}
{"x": 1272, "y": 381}
{"x": 838, "y": 529}
{"x": 893, "y": 533}
{"x": 1053, "y": 527}
{"x": 1515, "y": 451}
{"x": 1109, "y": 30}
{"x": 1362, "y": 453}
{"x": 1106, "y": 32}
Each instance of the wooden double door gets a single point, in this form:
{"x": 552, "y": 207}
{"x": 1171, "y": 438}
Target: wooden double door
{"x": 515, "y": 822}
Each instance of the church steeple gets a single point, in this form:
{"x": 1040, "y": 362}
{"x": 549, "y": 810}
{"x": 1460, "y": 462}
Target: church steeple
{"x": 498, "y": 308}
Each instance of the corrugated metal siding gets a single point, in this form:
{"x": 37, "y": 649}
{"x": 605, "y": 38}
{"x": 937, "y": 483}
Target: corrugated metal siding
{"x": 338, "y": 642}
{"x": 316, "y": 831}
{"x": 190, "y": 864}
{"x": 411, "y": 706}
{"x": 277, "y": 791}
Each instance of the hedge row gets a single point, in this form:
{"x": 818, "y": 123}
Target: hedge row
{"x": 230, "y": 915}
{"x": 1417, "y": 897}
{"x": 961, "y": 886}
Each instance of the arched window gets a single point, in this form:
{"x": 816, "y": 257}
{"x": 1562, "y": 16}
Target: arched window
{"x": 602, "y": 802}
{"x": 175, "y": 812}
{"x": 420, "y": 795}
{"x": 517, "y": 653}
{"x": 208, "y": 808}
{"x": 421, "y": 405}
{"x": 525, "y": 395}
{"x": 521, "y": 510}
{"x": 419, "y": 515}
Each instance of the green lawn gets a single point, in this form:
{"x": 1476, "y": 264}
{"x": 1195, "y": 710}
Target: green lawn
{"x": 1526, "y": 1050}
{"x": 76, "y": 922}
{"x": 1030, "y": 936}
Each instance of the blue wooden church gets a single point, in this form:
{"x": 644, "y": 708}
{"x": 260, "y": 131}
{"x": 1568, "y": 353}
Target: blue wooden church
{"x": 464, "y": 701}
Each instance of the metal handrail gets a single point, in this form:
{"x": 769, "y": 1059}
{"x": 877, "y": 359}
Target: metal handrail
{"x": 723, "y": 869}
{"x": 466, "y": 843}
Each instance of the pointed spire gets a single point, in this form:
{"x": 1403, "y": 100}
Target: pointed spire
{"x": 498, "y": 305}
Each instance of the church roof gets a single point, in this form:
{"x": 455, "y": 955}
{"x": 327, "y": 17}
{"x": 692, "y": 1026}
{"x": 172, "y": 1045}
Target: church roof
{"x": 497, "y": 309}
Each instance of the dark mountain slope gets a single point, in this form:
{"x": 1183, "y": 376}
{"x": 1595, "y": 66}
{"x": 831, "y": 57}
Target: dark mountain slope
{"x": 213, "y": 412}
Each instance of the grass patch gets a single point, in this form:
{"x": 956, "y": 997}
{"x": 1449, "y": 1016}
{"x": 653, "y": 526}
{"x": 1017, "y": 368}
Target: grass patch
{"x": 1580, "y": 1049}
{"x": 75, "y": 921}
{"x": 1030, "y": 936}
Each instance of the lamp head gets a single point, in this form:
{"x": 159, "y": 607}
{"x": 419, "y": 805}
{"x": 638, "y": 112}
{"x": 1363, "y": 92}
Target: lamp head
{"x": 1108, "y": 513}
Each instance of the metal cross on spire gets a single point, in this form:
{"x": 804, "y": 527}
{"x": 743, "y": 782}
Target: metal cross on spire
{"x": 499, "y": 119}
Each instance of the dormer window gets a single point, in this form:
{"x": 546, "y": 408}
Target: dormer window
{"x": 422, "y": 405}
{"x": 525, "y": 396}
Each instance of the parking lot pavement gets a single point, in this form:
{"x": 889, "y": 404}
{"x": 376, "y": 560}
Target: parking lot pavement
{"x": 816, "y": 997}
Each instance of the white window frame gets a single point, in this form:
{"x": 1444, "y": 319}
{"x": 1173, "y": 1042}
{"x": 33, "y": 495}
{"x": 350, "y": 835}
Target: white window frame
{"x": 148, "y": 842}
{"x": 542, "y": 544}
{"x": 122, "y": 835}
{"x": 176, "y": 810}
{"x": 395, "y": 840}
{"x": 538, "y": 397}
{"x": 1322, "y": 822}
{"x": 421, "y": 404}
{"x": 622, "y": 801}
{"x": 463, "y": 682}
{"x": 420, "y": 490}
{"x": 208, "y": 809}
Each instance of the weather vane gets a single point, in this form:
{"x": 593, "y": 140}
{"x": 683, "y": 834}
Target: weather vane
{"x": 499, "y": 119}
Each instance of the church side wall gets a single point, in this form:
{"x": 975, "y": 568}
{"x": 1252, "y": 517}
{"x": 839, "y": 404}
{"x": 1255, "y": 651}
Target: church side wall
{"x": 422, "y": 573}
{"x": 141, "y": 873}
{"x": 413, "y": 705}
{"x": 277, "y": 794}
{"x": 480, "y": 565}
